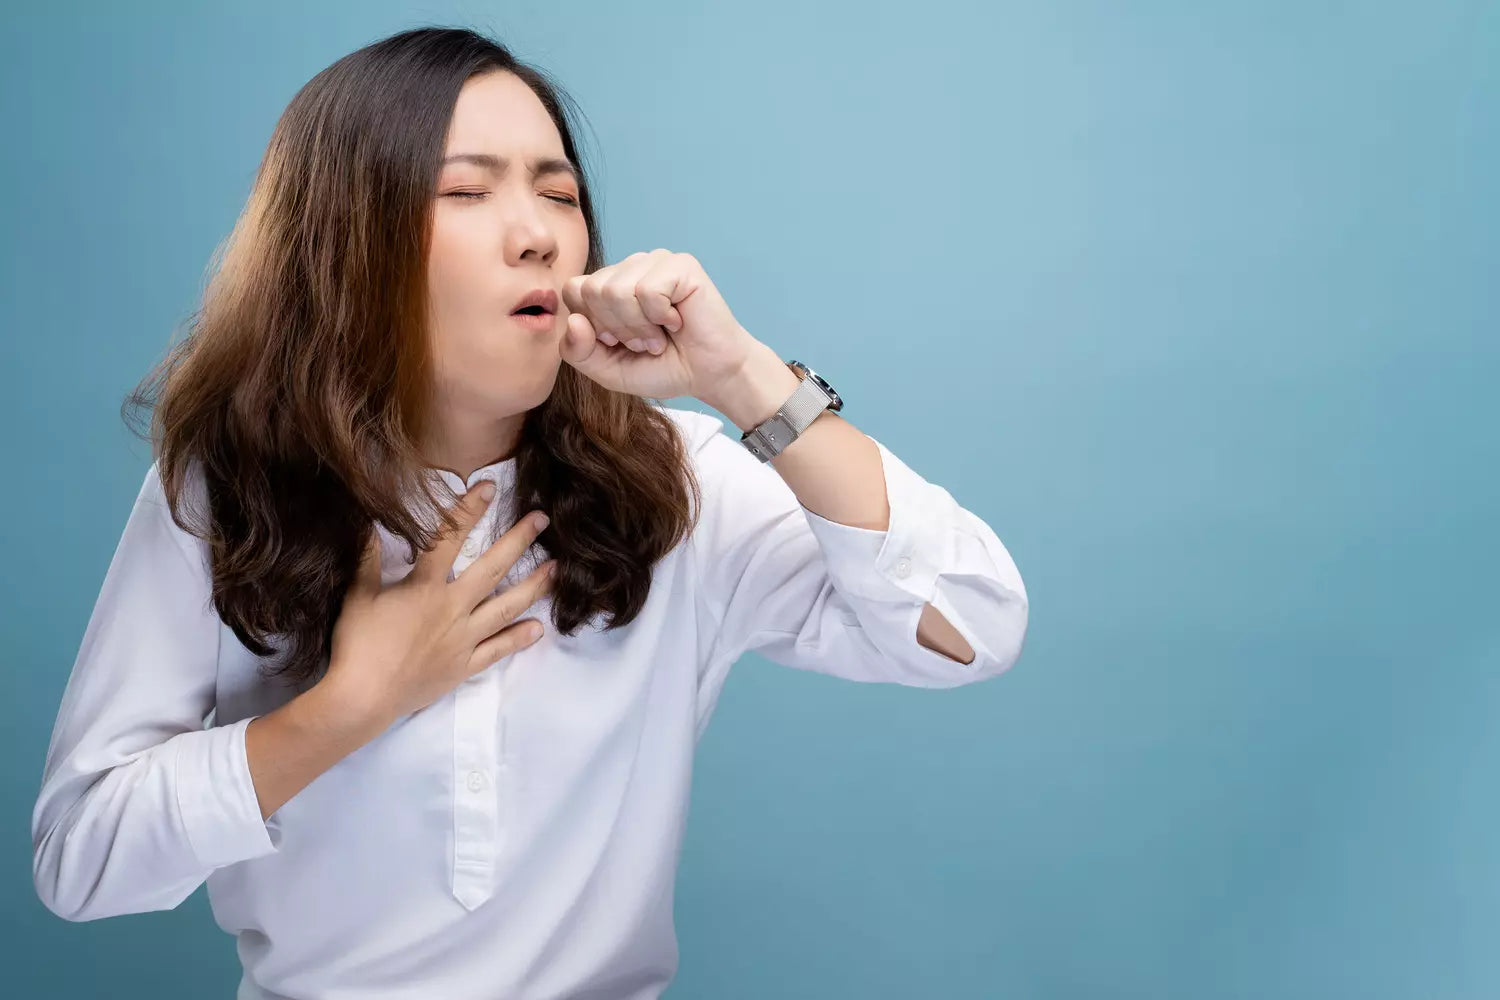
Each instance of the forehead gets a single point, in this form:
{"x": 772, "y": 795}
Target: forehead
{"x": 498, "y": 113}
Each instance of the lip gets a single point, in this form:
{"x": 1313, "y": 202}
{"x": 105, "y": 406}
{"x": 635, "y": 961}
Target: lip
{"x": 544, "y": 297}
{"x": 542, "y": 323}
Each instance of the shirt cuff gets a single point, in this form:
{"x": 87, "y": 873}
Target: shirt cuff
{"x": 216, "y": 797}
{"x": 901, "y": 563}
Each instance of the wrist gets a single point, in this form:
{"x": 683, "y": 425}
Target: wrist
{"x": 348, "y": 715}
{"x": 756, "y": 390}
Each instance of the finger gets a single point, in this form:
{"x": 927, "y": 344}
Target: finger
{"x": 582, "y": 349}
{"x": 572, "y": 292}
{"x": 631, "y": 325}
{"x": 499, "y": 610}
{"x": 654, "y": 293}
{"x": 601, "y": 298}
{"x": 594, "y": 295}
{"x": 367, "y": 576}
{"x": 484, "y": 574}
{"x": 436, "y": 562}
{"x": 620, "y": 305}
{"x": 500, "y": 645}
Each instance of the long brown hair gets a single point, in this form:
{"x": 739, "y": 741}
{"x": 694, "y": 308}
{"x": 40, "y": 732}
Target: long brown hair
{"x": 303, "y": 383}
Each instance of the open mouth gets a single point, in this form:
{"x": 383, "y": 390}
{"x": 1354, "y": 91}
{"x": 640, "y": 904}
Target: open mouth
{"x": 531, "y": 311}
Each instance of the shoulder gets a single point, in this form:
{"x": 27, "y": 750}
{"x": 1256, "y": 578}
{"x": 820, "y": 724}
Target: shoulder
{"x": 738, "y": 489}
{"x": 698, "y": 429}
{"x": 165, "y": 526}
{"x": 714, "y": 449}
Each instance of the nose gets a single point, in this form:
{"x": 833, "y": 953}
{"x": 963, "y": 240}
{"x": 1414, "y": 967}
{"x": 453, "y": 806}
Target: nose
{"x": 526, "y": 232}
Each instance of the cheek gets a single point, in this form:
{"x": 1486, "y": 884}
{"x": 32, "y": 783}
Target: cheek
{"x": 580, "y": 247}
{"x": 449, "y": 267}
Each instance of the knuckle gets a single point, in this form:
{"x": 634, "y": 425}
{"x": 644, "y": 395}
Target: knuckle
{"x": 447, "y": 607}
{"x": 507, "y": 640}
{"x": 510, "y": 607}
{"x": 492, "y": 616}
{"x": 535, "y": 587}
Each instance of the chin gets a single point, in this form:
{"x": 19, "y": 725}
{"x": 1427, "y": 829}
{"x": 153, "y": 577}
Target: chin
{"x": 537, "y": 389}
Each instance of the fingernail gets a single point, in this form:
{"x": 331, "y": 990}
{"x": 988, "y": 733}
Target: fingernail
{"x": 486, "y": 491}
{"x": 540, "y": 520}
{"x": 634, "y": 344}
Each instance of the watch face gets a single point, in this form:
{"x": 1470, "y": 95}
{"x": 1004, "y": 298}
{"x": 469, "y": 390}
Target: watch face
{"x": 835, "y": 401}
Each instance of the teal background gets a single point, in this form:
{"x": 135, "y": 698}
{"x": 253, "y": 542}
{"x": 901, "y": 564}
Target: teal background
{"x": 1194, "y": 303}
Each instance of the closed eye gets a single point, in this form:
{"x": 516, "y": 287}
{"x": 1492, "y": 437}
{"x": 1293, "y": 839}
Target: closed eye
{"x": 561, "y": 199}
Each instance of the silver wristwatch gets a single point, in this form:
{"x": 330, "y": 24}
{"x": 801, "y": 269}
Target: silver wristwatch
{"x": 811, "y": 397}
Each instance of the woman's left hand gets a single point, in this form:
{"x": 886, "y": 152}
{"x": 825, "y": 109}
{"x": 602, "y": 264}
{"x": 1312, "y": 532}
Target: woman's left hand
{"x": 616, "y": 312}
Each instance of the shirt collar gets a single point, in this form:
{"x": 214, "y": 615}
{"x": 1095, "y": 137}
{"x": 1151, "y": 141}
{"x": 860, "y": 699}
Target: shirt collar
{"x": 501, "y": 473}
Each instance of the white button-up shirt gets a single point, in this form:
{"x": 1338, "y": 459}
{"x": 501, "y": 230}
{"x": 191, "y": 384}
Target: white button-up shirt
{"x": 519, "y": 837}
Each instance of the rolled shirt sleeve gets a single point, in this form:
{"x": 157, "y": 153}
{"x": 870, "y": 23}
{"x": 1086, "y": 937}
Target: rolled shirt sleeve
{"x": 139, "y": 802}
{"x": 814, "y": 594}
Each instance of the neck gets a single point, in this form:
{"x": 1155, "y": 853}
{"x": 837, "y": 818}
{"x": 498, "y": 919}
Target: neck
{"x": 462, "y": 445}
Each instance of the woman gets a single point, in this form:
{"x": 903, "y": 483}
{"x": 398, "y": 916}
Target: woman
{"x": 314, "y": 678}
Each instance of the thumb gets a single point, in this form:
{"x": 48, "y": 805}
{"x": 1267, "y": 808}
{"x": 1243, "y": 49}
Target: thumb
{"x": 582, "y": 349}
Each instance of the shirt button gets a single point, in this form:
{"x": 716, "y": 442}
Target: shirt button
{"x": 476, "y": 781}
{"x": 903, "y": 567}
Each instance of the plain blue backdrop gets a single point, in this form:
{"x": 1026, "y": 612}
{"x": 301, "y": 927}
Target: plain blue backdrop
{"x": 1194, "y": 303}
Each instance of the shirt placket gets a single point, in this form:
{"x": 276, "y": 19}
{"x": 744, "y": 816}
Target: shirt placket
{"x": 477, "y": 767}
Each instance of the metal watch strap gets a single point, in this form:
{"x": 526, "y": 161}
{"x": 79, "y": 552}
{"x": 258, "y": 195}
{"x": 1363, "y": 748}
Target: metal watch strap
{"x": 770, "y": 438}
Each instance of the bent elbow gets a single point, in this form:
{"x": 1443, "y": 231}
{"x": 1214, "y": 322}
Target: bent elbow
{"x": 56, "y": 887}
{"x": 78, "y": 877}
{"x": 1004, "y": 640}
{"x": 78, "y": 894}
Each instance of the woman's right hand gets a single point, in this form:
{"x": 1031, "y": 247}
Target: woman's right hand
{"x": 397, "y": 649}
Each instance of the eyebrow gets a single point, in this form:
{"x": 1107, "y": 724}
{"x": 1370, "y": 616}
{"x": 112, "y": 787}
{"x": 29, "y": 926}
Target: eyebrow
{"x": 497, "y": 164}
